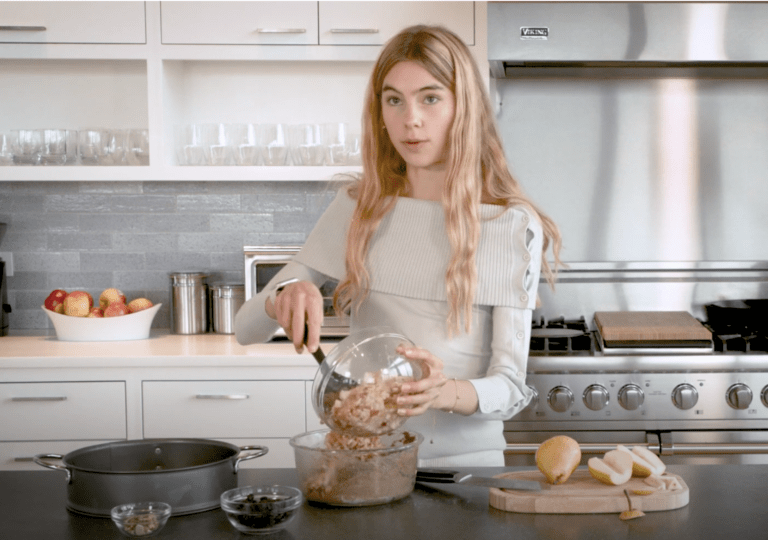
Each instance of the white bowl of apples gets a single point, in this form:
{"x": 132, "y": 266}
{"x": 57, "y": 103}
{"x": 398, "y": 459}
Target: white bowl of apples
{"x": 76, "y": 317}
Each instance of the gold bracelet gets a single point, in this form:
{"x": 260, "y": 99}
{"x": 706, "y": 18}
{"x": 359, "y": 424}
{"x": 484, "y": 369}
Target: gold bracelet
{"x": 456, "y": 402}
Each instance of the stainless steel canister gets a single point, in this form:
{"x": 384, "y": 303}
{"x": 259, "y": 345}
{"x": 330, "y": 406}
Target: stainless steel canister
{"x": 189, "y": 302}
{"x": 226, "y": 299}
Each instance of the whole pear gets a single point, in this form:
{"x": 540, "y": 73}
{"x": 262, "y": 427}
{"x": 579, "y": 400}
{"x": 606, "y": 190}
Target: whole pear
{"x": 557, "y": 458}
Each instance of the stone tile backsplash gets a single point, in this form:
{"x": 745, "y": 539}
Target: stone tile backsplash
{"x": 131, "y": 235}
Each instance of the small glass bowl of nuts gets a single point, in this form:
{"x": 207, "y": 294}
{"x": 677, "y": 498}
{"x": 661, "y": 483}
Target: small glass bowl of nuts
{"x": 141, "y": 520}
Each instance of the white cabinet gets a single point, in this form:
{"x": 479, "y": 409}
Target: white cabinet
{"x": 57, "y": 418}
{"x": 43, "y": 411}
{"x": 243, "y": 23}
{"x": 373, "y": 23}
{"x": 72, "y": 22}
{"x": 223, "y": 409}
{"x": 155, "y": 65}
{"x": 244, "y": 413}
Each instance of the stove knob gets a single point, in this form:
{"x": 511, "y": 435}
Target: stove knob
{"x": 595, "y": 397}
{"x": 560, "y": 398}
{"x": 684, "y": 396}
{"x": 631, "y": 396}
{"x": 739, "y": 396}
{"x": 764, "y": 396}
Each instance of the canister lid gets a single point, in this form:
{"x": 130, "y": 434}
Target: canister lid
{"x": 227, "y": 290}
{"x": 184, "y": 279}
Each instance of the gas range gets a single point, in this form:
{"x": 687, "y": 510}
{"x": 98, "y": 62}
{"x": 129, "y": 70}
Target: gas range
{"x": 574, "y": 381}
{"x": 691, "y": 406}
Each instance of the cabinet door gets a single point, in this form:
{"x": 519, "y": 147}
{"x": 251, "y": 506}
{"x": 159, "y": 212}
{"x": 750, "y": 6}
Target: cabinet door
{"x": 72, "y": 22}
{"x": 373, "y": 23}
{"x": 18, "y": 456}
{"x": 223, "y": 409}
{"x": 62, "y": 411}
{"x": 239, "y": 23}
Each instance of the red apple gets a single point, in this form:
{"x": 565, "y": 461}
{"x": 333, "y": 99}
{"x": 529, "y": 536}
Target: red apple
{"x": 116, "y": 309}
{"x": 110, "y": 295}
{"x": 139, "y": 304}
{"x": 96, "y": 312}
{"x": 78, "y": 304}
{"x": 56, "y": 299}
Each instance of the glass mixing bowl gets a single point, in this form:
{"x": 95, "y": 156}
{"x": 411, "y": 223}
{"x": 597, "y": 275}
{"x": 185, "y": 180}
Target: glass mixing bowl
{"x": 334, "y": 471}
{"x": 355, "y": 388}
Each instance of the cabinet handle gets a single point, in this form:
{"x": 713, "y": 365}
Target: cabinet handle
{"x": 222, "y": 396}
{"x": 281, "y": 30}
{"x": 24, "y": 28}
{"x": 40, "y": 398}
{"x": 354, "y": 30}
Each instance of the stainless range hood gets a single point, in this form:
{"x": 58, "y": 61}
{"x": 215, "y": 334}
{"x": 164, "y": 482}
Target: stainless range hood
{"x": 625, "y": 33}
{"x": 640, "y": 128}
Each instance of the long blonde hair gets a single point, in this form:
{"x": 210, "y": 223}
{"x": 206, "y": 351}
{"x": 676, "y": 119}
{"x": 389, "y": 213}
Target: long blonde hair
{"x": 477, "y": 171}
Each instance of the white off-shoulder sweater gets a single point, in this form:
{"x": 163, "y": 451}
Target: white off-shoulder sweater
{"x": 407, "y": 261}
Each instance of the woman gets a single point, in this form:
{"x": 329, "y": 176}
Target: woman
{"x": 435, "y": 240}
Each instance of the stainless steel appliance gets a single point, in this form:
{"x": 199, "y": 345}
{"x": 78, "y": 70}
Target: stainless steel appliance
{"x": 689, "y": 406}
{"x": 263, "y": 262}
{"x": 638, "y": 127}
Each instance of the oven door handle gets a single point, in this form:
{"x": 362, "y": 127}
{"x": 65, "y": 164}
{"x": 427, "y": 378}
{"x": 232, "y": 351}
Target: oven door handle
{"x": 706, "y": 449}
{"x": 586, "y": 448}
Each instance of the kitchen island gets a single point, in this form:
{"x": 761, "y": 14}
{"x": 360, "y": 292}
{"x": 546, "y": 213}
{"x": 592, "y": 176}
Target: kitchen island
{"x": 725, "y": 502}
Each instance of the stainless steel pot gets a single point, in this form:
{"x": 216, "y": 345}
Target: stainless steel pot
{"x": 188, "y": 474}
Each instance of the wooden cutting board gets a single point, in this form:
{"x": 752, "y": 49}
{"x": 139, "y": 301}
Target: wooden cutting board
{"x": 651, "y": 328}
{"x": 582, "y": 494}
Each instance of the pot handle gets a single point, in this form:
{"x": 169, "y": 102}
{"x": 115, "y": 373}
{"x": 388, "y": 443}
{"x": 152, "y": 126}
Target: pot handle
{"x": 39, "y": 460}
{"x": 260, "y": 451}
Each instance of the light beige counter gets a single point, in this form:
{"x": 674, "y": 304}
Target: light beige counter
{"x": 161, "y": 349}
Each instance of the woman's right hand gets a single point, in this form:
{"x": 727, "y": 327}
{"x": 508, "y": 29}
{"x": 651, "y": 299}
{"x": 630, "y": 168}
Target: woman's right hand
{"x": 299, "y": 305}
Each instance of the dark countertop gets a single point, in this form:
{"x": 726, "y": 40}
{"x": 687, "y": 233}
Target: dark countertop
{"x": 726, "y": 501}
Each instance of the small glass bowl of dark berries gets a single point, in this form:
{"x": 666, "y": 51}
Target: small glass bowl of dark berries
{"x": 260, "y": 509}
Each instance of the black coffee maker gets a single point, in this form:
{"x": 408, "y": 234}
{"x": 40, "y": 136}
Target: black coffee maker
{"x": 5, "y": 308}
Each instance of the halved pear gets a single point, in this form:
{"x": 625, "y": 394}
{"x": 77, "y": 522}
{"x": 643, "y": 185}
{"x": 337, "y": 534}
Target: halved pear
{"x": 640, "y": 467}
{"x": 658, "y": 466}
{"x": 614, "y": 469}
{"x": 557, "y": 458}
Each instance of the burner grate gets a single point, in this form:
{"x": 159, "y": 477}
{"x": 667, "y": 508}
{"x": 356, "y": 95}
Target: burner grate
{"x": 576, "y": 338}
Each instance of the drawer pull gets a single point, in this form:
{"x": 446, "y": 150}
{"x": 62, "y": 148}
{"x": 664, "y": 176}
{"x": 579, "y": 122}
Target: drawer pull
{"x": 24, "y": 28}
{"x": 281, "y": 30}
{"x": 222, "y": 396}
{"x": 354, "y": 30}
{"x": 40, "y": 398}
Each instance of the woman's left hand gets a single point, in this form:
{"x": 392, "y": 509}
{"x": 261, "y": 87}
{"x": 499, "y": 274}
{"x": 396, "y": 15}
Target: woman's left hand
{"x": 417, "y": 397}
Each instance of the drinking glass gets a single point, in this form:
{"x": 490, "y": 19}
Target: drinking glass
{"x": 335, "y": 139}
{"x": 354, "y": 155}
{"x": 28, "y": 146}
{"x": 244, "y": 138}
{"x": 219, "y": 149}
{"x": 273, "y": 143}
{"x": 117, "y": 147}
{"x": 54, "y": 150}
{"x": 93, "y": 146}
{"x": 6, "y": 149}
{"x": 306, "y": 141}
{"x": 138, "y": 147}
{"x": 190, "y": 145}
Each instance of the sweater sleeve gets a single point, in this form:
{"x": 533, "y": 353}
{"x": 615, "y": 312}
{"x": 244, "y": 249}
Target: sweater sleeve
{"x": 502, "y": 393}
{"x": 252, "y": 324}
